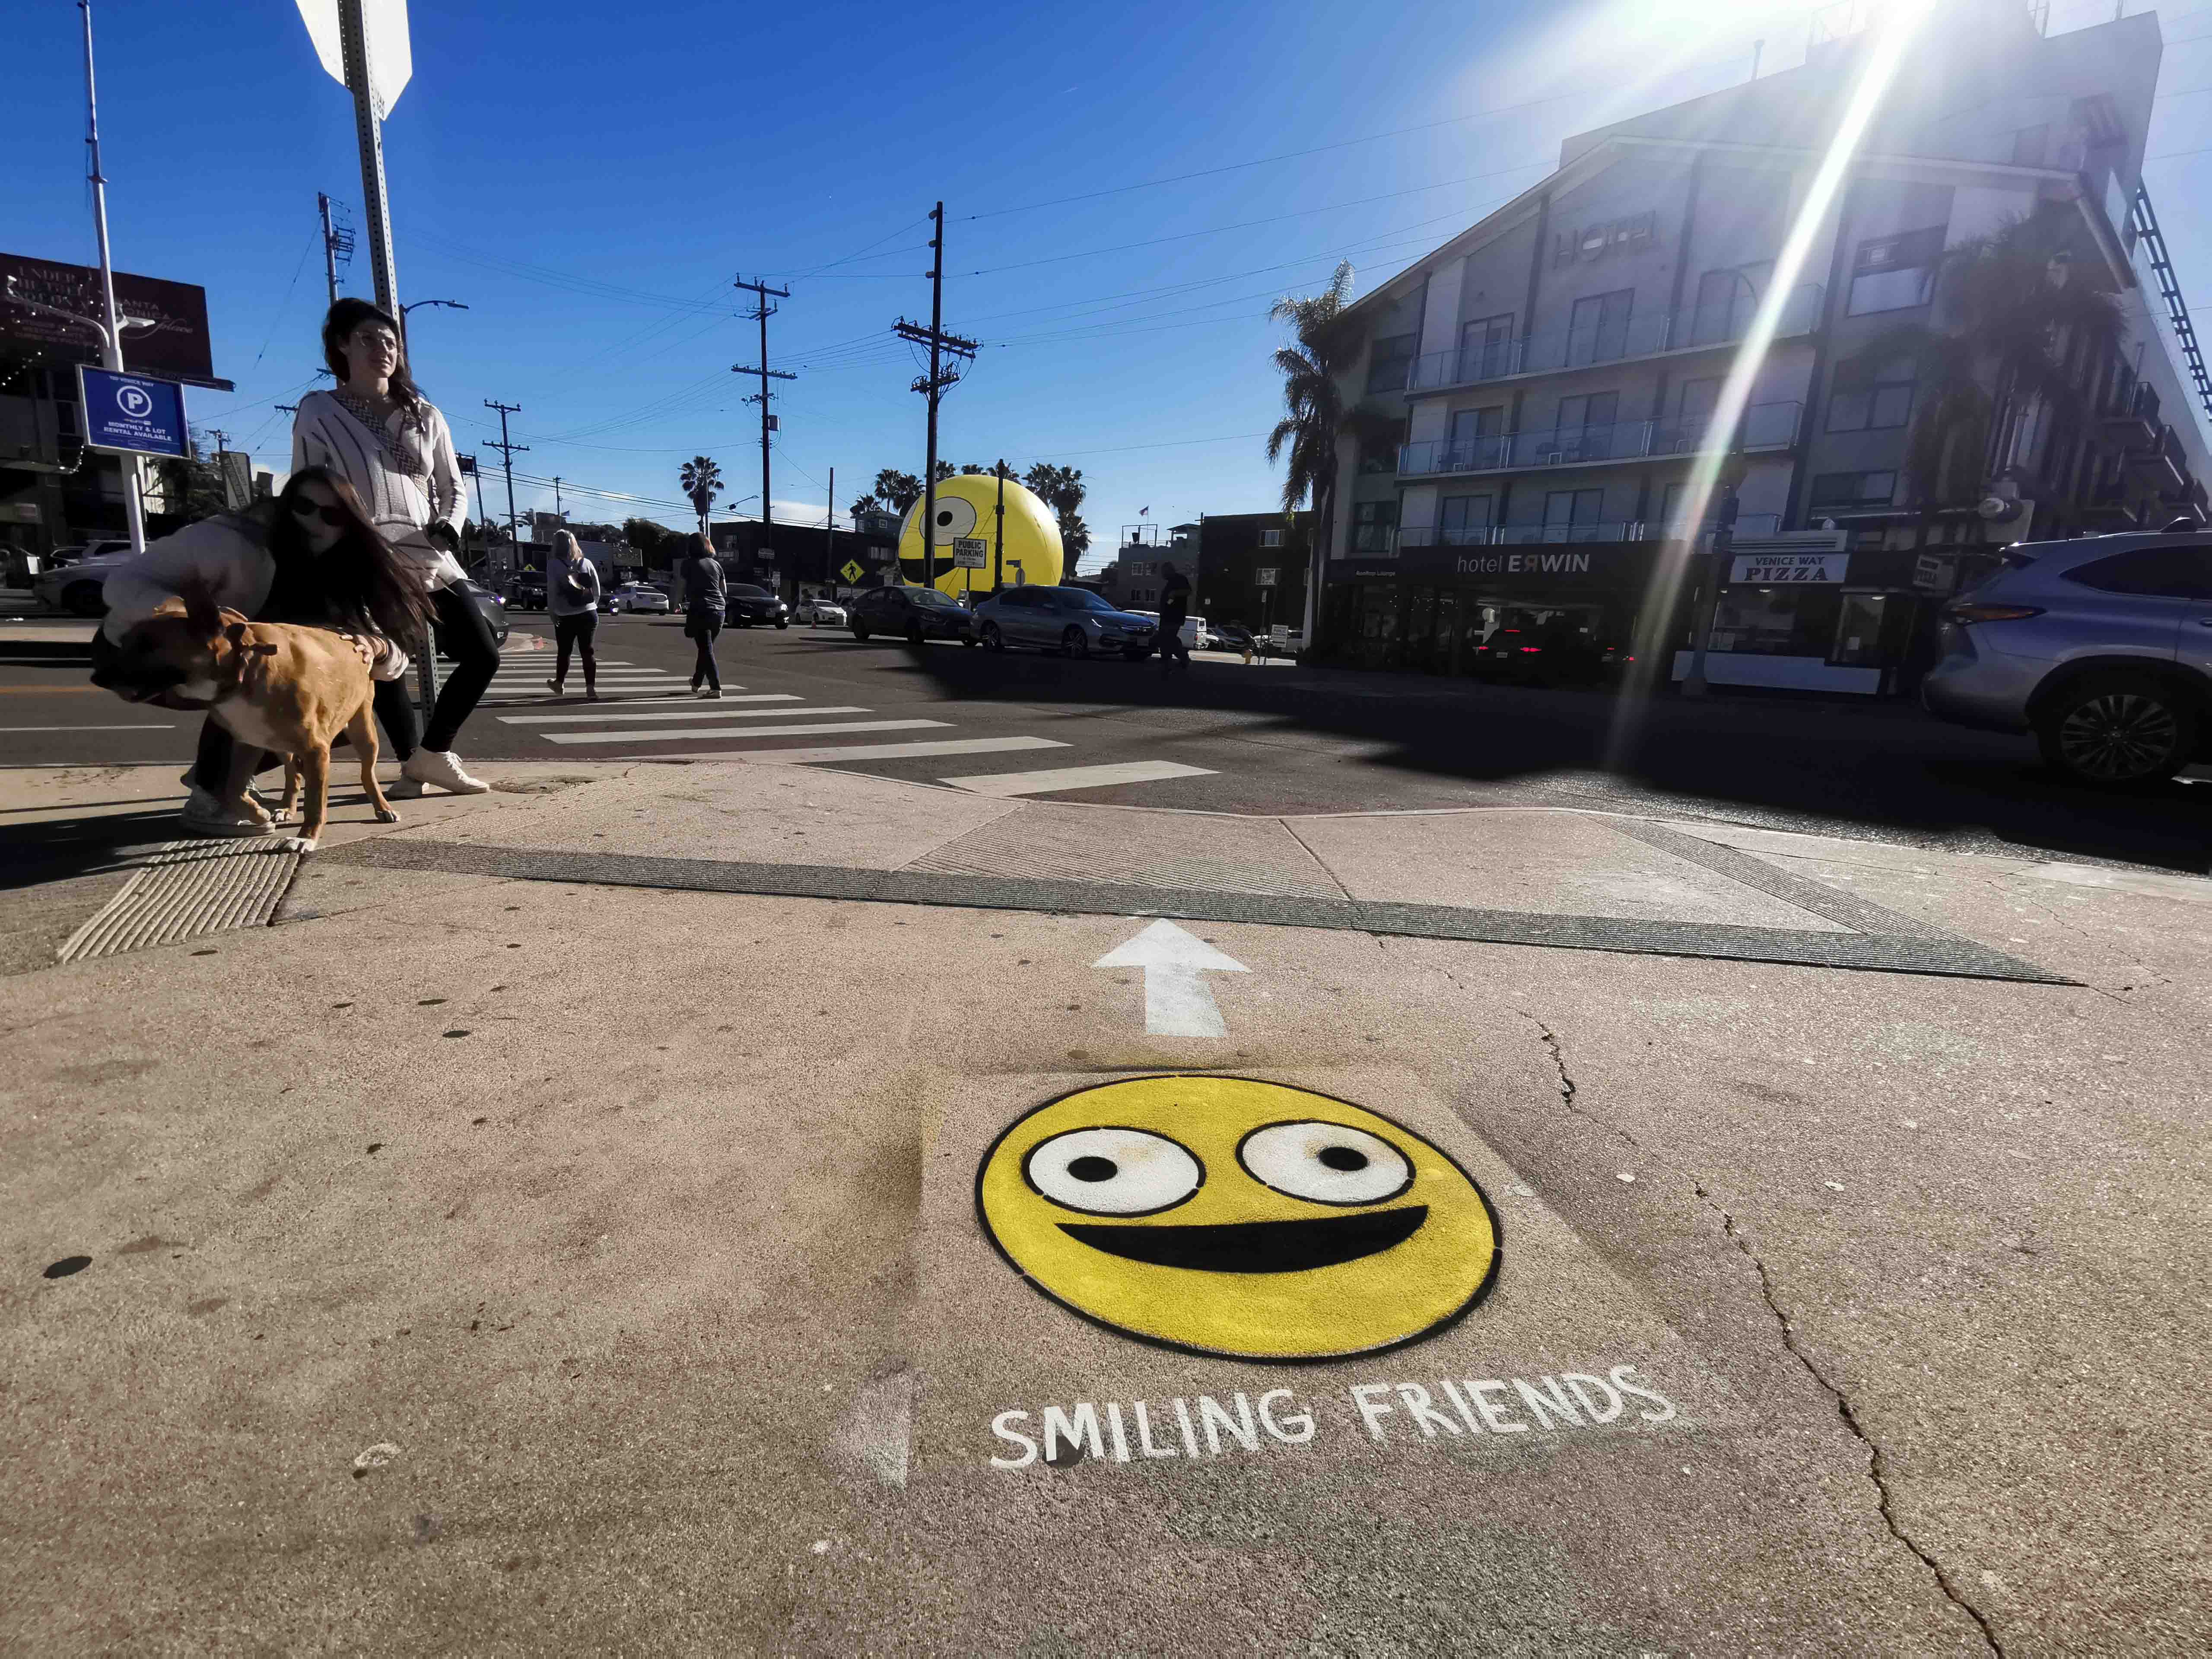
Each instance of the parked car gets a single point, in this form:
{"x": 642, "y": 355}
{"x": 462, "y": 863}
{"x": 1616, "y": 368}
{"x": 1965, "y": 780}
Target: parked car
{"x": 746, "y": 603}
{"x": 642, "y": 598}
{"x": 493, "y": 607}
{"x": 74, "y": 586}
{"x": 815, "y": 612}
{"x": 914, "y": 614}
{"x": 526, "y": 594}
{"x": 1072, "y": 620}
{"x": 2101, "y": 647}
{"x": 1234, "y": 636}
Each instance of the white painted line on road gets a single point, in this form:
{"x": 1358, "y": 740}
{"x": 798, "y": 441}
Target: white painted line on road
{"x": 757, "y": 696}
{"x": 89, "y": 728}
{"x": 1178, "y": 1002}
{"x": 861, "y": 751}
{"x": 698, "y": 711}
{"x": 692, "y": 734}
{"x": 1075, "y": 777}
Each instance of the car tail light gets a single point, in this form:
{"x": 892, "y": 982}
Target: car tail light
{"x": 1986, "y": 613}
{"x": 1530, "y": 650}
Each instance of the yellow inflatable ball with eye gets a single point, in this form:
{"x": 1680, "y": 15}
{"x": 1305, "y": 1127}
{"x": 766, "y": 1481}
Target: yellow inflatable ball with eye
{"x": 967, "y": 511}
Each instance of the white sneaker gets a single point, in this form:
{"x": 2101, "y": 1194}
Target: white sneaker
{"x": 442, "y": 767}
{"x": 405, "y": 788}
{"x": 709, "y": 693}
{"x": 203, "y": 815}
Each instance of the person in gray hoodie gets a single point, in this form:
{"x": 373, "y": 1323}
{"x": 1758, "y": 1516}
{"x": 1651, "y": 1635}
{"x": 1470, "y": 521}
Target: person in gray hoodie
{"x": 572, "y": 595}
{"x": 706, "y": 598}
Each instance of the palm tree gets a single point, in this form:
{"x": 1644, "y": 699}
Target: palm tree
{"x": 702, "y": 481}
{"x": 2025, "y": 317}
{"x": 1317, "y": 413}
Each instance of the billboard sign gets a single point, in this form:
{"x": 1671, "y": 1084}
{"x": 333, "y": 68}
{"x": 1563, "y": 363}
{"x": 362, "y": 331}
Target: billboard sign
{"x": 175, "y": 347}
{"x": 134, "y": 413}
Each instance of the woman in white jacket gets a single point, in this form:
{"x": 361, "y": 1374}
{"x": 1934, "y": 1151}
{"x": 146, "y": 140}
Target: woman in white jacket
{"x": 376, "y": 431}
{"x": 310, "y": 557}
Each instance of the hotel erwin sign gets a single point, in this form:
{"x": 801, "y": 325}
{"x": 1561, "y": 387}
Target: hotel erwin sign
{"x": 1547, "y": 563}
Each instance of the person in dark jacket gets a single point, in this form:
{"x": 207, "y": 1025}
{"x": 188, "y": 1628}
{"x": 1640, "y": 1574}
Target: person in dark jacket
{"x": 1174, "y": 611}
{"x": 706, "y": 598}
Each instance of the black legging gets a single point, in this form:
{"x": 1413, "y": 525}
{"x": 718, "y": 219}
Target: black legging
{"x": 475, "y": 658}
{"x": 577, "y": 631}
{"x": 702, "y": 626}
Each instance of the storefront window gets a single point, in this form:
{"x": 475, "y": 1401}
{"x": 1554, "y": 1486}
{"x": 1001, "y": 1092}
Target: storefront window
{"x": 1859, "y": 631}
{"x": 1776, "y": 623}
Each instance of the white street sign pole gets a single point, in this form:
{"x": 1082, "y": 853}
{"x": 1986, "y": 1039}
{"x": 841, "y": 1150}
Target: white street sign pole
{"x": 110, "y": 331}
{"x": 1177, "y": 1001}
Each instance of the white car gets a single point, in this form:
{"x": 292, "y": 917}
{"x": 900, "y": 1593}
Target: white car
{"x": 638, "y": 597}
{"x": 815, "y": 612}
{"x": 76, "y": 586}
{"x": 1196, "y": 635}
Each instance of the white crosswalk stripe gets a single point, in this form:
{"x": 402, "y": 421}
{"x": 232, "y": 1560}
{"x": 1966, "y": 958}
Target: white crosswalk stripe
{"x": 696, "y": 711}
{"x": 704, "y": 713}
{"x": 691, "y": 735}
{"x": 859, "y": 751}
{"x": 1075, "y": 777}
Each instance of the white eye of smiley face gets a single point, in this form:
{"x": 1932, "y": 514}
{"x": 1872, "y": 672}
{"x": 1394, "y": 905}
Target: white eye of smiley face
{"x": 955, "y": 519}
{"x": 1326, "y": 1163}
{"x": 1114, "y": 1171}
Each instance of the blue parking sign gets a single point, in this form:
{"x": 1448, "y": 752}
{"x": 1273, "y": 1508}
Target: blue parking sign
{"x": 137, "y": 413}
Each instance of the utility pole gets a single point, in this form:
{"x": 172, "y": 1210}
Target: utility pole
{"x": 337, "y": 244}
{"x": 829, "y": 539}
{"x": 111, "y": 335}
{"x": 998, "y": 541}
{"x": 510, "y": 450}
{"x": 762, "y": 311}
{"x": 368, "y": 113}
{"x": 557, "y": 511}
{"x": 941, "y": 374}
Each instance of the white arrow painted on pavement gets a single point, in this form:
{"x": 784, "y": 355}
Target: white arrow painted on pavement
{"x": 1178, "y": 1002}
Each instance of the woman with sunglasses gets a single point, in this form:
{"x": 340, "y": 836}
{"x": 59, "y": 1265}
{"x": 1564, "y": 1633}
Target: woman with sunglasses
{"x": 379, "y": 434}
{"x": 310, "y": 557}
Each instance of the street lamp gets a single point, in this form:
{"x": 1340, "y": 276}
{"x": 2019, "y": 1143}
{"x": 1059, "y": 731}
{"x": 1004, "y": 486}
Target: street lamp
{"x": 450, "y": 305}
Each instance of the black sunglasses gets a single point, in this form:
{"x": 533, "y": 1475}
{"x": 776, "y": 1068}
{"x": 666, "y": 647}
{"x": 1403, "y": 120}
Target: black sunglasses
{"x": 334, "y": 516}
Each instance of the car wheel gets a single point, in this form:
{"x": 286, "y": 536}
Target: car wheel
{"x": 860, "y": 633}
{"x": 1075, "y": 642}
{"x": 781, "y": 622}
{"x": 2113, "y": 732}
{"x": 85, "y": 600}
{"x": 993, "y": 637}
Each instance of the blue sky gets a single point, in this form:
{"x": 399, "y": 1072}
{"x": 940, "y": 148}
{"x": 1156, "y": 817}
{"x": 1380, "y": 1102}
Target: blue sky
{"x": 588, "y": 179}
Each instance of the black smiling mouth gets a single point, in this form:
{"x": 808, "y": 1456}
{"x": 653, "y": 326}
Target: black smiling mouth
{"x": 1257, "y": 1247}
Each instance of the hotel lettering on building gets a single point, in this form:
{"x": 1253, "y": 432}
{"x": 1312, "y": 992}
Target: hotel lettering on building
{"x": 1553, "y": 371}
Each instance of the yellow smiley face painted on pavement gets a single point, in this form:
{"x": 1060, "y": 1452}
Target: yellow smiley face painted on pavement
{"x": 1227, "y": 1216}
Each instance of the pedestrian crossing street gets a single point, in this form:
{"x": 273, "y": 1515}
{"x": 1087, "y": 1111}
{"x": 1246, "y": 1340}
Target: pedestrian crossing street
{"x": 641, "y": 708}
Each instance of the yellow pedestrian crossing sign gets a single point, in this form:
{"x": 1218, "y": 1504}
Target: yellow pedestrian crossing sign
{"x": 851, "y": 570}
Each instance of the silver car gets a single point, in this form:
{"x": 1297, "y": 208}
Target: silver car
{"x": 76, "y": 585}
{"x": 1072, "y": 620}
{"x": 2101, "y": 647}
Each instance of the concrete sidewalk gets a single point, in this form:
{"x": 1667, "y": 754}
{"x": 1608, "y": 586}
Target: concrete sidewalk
{"x": 560, "y": 1229}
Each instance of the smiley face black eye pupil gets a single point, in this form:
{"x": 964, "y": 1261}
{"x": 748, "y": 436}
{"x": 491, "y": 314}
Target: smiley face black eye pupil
{"x": 1097, "y": 1168}
{"x": 1343, "y": 1159}
{"x": 944, "y": 518}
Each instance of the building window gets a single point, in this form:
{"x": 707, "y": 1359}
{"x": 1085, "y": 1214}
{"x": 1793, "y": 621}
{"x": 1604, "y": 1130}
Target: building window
{"x": 1726, "y": 301}
{"x": 1597, "y": 332}
{"x": 1895, "y": 273}
{"x": 1271, "y": 538}
{"x": 1485, "y": 348}
{"x": 1871, "y": 403}
{"x": 1392, "y": 362}
{"x": 1572, "y": 515}
{"x": 1585, "y": 426}
{"x": 1375, "y": 527}
{"x": 1839, "y": 489}
{"x": 1465, "y": 520}
{"x": 1474, "y": 439}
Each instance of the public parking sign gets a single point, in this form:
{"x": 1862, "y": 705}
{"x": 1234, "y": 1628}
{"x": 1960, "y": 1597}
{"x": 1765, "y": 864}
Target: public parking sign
{"x": 970, "y": 553}
{"x": 134, "y": 413}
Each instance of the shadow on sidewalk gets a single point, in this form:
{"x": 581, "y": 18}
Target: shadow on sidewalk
{"x": 1875, "y": 767}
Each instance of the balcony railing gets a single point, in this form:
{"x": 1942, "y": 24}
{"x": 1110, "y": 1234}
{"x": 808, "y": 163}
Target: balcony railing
{"x": 1534, "y": 535}
{"x": 1764, "y": 426}
{"x": 1573, "y": 347}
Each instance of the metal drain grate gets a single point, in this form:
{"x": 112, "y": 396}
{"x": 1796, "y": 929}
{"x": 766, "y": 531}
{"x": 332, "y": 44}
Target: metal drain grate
{"x": 184, "y": 889}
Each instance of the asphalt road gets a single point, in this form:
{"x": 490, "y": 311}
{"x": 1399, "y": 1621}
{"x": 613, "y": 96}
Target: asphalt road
{"x": 1229, "y": 738}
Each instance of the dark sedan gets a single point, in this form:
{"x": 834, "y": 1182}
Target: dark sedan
{"x": 914, "y": 614}
{"x": 746, "y": 605}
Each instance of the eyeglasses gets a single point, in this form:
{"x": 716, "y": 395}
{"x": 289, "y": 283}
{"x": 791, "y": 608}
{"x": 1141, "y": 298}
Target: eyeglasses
{"x": 332, "y": 515}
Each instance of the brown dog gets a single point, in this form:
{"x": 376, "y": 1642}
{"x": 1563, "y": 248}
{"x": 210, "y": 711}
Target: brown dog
{"x": 289, "y": 690}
